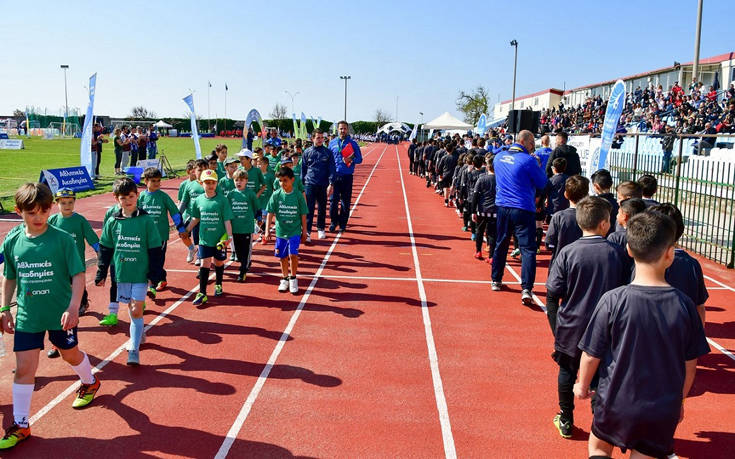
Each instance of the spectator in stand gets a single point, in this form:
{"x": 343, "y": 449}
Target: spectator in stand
{"x": 568, "y": 152}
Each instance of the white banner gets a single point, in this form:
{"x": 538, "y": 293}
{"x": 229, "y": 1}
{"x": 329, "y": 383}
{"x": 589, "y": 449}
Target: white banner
{"x": 86, "y": 157}
{"x": 194, "y": 131}
{"x": 146, "y": 163}
{"x": 11, "y": 144}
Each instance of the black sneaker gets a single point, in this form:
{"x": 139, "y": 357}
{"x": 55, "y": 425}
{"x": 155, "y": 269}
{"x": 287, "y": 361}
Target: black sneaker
{"x": 53, "y": 353}
{"x": 564, "y": 427}
{"x": 332, "y": 228}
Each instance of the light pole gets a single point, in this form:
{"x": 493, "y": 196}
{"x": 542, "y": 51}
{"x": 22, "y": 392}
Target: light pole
{"x": 345, "y": 77}
{"x": 66, "y": 100}
{"x": 421, "y": 122}
{"x": 695, "y": 67}
{"x": 293, "y": 109}
{"x": 514, "y": 43}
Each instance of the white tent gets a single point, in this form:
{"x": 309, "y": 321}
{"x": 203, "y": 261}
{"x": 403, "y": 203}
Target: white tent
{"x": 391, "y": 127}
{"x": 163, "y": 125}
{"x": 446, "y": 122}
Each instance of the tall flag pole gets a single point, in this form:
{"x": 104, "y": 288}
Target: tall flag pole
{"x": 189, "y": 100}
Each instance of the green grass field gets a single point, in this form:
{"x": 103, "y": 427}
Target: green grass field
{"x": 21, "y": 166}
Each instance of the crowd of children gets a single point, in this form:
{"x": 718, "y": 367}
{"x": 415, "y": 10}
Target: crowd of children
{"x": 619, "y": 289}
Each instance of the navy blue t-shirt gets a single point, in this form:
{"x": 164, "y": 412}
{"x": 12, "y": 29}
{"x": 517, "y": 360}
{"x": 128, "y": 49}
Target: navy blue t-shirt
{"x": 580, "y": 274}
{"x": 650, "y": 202}
{"x": 643, "y": 336}
{"x": 685, "y": 273}
{"x": 563, "y": 229}
{"x": 613, "y": 212}
{"x": 555, "y": 190}
{"x": 621, "y": 238}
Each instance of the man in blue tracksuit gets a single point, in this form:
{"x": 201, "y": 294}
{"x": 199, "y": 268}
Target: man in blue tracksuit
{"x": 273, "y": 140}
{"x": 340, "y": 184}
{"x": 317, "y": 168}
{"x": 518, "y": 174}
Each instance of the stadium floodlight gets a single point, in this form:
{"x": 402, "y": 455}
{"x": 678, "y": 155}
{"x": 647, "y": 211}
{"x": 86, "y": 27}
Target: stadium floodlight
{"x": 514, "y": 43}
{"x": 66, "y": 99}
{"x": 345, "y": 77}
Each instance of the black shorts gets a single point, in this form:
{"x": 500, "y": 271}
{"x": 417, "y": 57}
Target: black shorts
{"x": 24, "y": 341}
{"x": 206, "y": 251}
{"x": 642, "y": 446}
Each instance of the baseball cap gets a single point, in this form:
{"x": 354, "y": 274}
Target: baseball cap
{"x": 287, "y": 160}
{"x": 231, "y": 161}
{"x": 245, "y": 153}
{"x": 208, "y": 175}
{"x": 65, "y": 193}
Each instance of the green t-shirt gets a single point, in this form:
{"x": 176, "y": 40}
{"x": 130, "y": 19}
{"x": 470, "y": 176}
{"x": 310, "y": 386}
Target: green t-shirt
{"x": 255, "y": 179}
{"x": 298, "y": 185}
{"x": 273, "y": 162}
{"x": 131, "y": 238}
{"x": 297, "y": 168}
{"x": 43, "y": 269}
{"x": 268, "y": 178}
{"x": 193, "y": 190}
{"x": 157, "y": 204}
{"x": 78, "y": 227}
{"x": 243, "y": 204}
{"x": 288, "y": 209}
{"x": 212, "y": 214}
{"x": 226, "y": 185}
{"x": 110, "y": 212}
{"x": 180, "y": 197}
{"x": 221, "y": 169}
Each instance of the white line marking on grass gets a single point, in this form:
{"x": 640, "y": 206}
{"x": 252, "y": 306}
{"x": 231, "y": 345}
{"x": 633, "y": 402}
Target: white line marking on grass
{"x": 255, "y": 391}
{"x": 72, "y": 388}
{"x": 441, "y": 402}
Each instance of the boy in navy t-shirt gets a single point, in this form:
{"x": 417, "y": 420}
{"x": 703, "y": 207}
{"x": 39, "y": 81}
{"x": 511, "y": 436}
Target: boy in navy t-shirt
{"x": 649, "y": 186}
{"x": 644, "y": 339}
{"x": 563, "y": 228}
{"x": 602, "y": 183}
{"x": 685, "y": 273}
{"x": 628, "y": 209}
{"x": 556, "y": 201}
{"x": 580, "y": 274}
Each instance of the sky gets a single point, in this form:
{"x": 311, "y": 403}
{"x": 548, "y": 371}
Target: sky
{"x": 410, "y": 56}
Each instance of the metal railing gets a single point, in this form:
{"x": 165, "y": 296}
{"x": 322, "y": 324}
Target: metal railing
{"x": 700, "y": 185}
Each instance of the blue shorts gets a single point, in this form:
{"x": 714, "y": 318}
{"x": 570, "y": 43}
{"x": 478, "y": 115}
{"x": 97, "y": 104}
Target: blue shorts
{"x": 128, "y": 292}
{"x": 286, "y": 247}
{"x": 206, "y": 251}
{"x": 24, "y": 341}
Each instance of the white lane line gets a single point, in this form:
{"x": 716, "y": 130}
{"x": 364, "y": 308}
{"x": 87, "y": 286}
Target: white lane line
{"x": 441, "y": 402}
{"x": 255, "y": 391}
{"x": 724, "y": 286}
{"x": 721, "y": 349}
{"x": 535, "y": 298}
{"x": 73, "y": 387}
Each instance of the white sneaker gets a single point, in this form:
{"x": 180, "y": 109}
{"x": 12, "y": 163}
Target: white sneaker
{"x": 198, "y": 262}
{"x": 190, "y": 255}
{"x": 322, "y": 234}
{"x": 308, "y": 238}
{"x": 293, "y": 285}
{"x": 283, "y": 286}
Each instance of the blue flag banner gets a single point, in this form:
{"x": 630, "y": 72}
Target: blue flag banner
{"x": 85, "y": 154}
{"x": 313, "y": 123}
{"x": 76, "y": 178}
{"x": 194, "y": 131}
{"x": 414, "y": 131}
{"x": 482, "y": 125}
{"x": 319, "y": 121}
{"x": 612, "y": 116}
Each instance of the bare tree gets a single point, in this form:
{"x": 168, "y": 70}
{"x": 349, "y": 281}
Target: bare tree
{"x": 278, "y": 112}
{"x": 141, "y": 112}
{"x": 382, "y": 117}
{"x": 472, "y": 104}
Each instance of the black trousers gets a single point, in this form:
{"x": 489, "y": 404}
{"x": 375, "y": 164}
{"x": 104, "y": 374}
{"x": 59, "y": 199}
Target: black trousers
{"x": 488, "y": 227}
{"x": 243, "y": 250}
{"x": 568, "y": 369}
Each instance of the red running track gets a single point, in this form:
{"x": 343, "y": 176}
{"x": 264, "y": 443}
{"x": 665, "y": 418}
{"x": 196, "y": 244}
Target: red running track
{"x": 361, "y": 363}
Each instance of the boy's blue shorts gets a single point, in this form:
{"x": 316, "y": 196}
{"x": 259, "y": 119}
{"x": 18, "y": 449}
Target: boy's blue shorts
{"x": 206, "y": 251}
{"x": 24, "y": 341}
{"x": 128, "y": 292}
{"x": 287, "y": 247}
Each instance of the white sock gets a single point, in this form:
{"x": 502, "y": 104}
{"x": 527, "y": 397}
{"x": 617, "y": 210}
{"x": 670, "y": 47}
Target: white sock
{"x": 22, "y": 394}
{"x": 113, "y": 308}
{"x": 84, "y": 370}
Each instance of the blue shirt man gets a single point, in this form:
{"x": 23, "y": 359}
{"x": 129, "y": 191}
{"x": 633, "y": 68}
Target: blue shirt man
{"x": 517, "y": 174}
{"x": 345, "y": 154}
{"x": 274, "y": 140}
{"x": 317, "y": 171}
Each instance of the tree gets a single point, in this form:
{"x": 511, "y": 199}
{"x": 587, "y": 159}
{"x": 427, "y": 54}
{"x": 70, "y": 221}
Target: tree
{"x": 472, "y": 104}
{"x": 278, "y": 112}
{"x": 381, "y": 117}
{"x": 140, "y": 112}
{"x": 19, "y": 116}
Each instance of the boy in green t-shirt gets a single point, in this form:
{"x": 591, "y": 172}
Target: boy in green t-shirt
{"x": 268, "y": 178}
{"x": 131, "y": 239}
{"x": 212, "y": 212}
{"x": 194, "y": 189}
{"x": 221, "y": 152}
{"x": 79, "y": 228}
{"x": 158, "y": 204}
{"x": 191, "y": 171}
{"x": 226, "y": 183}
{"x": 289, "y": 210}
{"x": 244, "y": 203}
{"x": 38, "y": 269}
